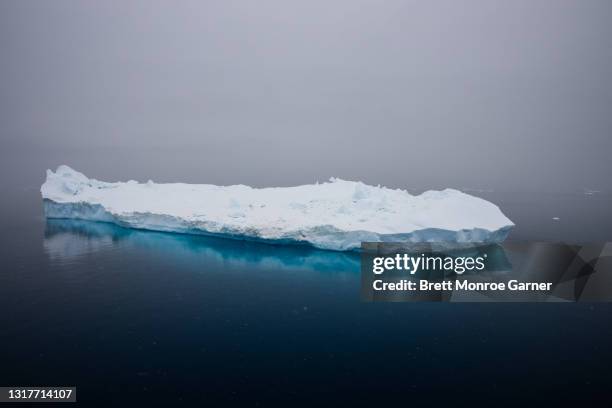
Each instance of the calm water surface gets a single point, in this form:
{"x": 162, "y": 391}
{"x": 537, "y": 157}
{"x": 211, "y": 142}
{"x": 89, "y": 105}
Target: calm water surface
{"x": 153, "y": 318}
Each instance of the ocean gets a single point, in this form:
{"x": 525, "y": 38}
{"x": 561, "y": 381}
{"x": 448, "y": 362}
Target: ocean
{"x": 149, "y": 318}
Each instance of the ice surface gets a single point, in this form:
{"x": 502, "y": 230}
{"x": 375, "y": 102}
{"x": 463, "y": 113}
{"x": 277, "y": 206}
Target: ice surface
{"x": 336, "y": 215}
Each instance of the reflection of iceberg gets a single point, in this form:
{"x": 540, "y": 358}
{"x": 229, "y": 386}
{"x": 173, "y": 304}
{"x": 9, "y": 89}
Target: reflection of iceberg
{"x": 336, "y": 215}
{"x": 69, "y": 239}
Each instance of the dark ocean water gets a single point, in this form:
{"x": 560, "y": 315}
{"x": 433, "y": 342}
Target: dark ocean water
{"x": 150, "y": 318}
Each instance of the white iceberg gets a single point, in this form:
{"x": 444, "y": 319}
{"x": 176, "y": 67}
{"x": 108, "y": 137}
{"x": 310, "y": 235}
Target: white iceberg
{"x": 336, "y": 215}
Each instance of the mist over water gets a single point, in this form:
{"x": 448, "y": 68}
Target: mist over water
{"x": 499, "y": 95}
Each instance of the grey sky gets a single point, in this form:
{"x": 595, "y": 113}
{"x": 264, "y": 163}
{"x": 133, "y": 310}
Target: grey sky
{"x": 490, "y": 94}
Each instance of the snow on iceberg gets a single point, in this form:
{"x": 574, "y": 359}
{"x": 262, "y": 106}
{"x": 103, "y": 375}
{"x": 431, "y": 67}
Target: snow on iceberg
{"x": 336, "y": 215}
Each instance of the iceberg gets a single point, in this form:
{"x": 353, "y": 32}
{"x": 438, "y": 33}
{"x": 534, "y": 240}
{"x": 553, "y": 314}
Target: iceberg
{"x": 336, "y": 215}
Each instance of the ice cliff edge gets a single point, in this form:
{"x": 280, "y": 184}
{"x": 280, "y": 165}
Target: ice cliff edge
{"x": 336, "y": 215}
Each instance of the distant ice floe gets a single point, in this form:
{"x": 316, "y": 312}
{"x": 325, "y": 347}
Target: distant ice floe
{"x": 337, "y": 215}
{"x": 588, "y": 191}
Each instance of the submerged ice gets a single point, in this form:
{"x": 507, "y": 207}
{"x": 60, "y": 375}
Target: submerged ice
{"x": 336, "y": 215}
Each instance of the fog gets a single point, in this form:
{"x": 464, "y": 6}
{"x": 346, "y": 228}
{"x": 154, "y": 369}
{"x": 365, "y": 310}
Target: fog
{"x": 506, "y": 95}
